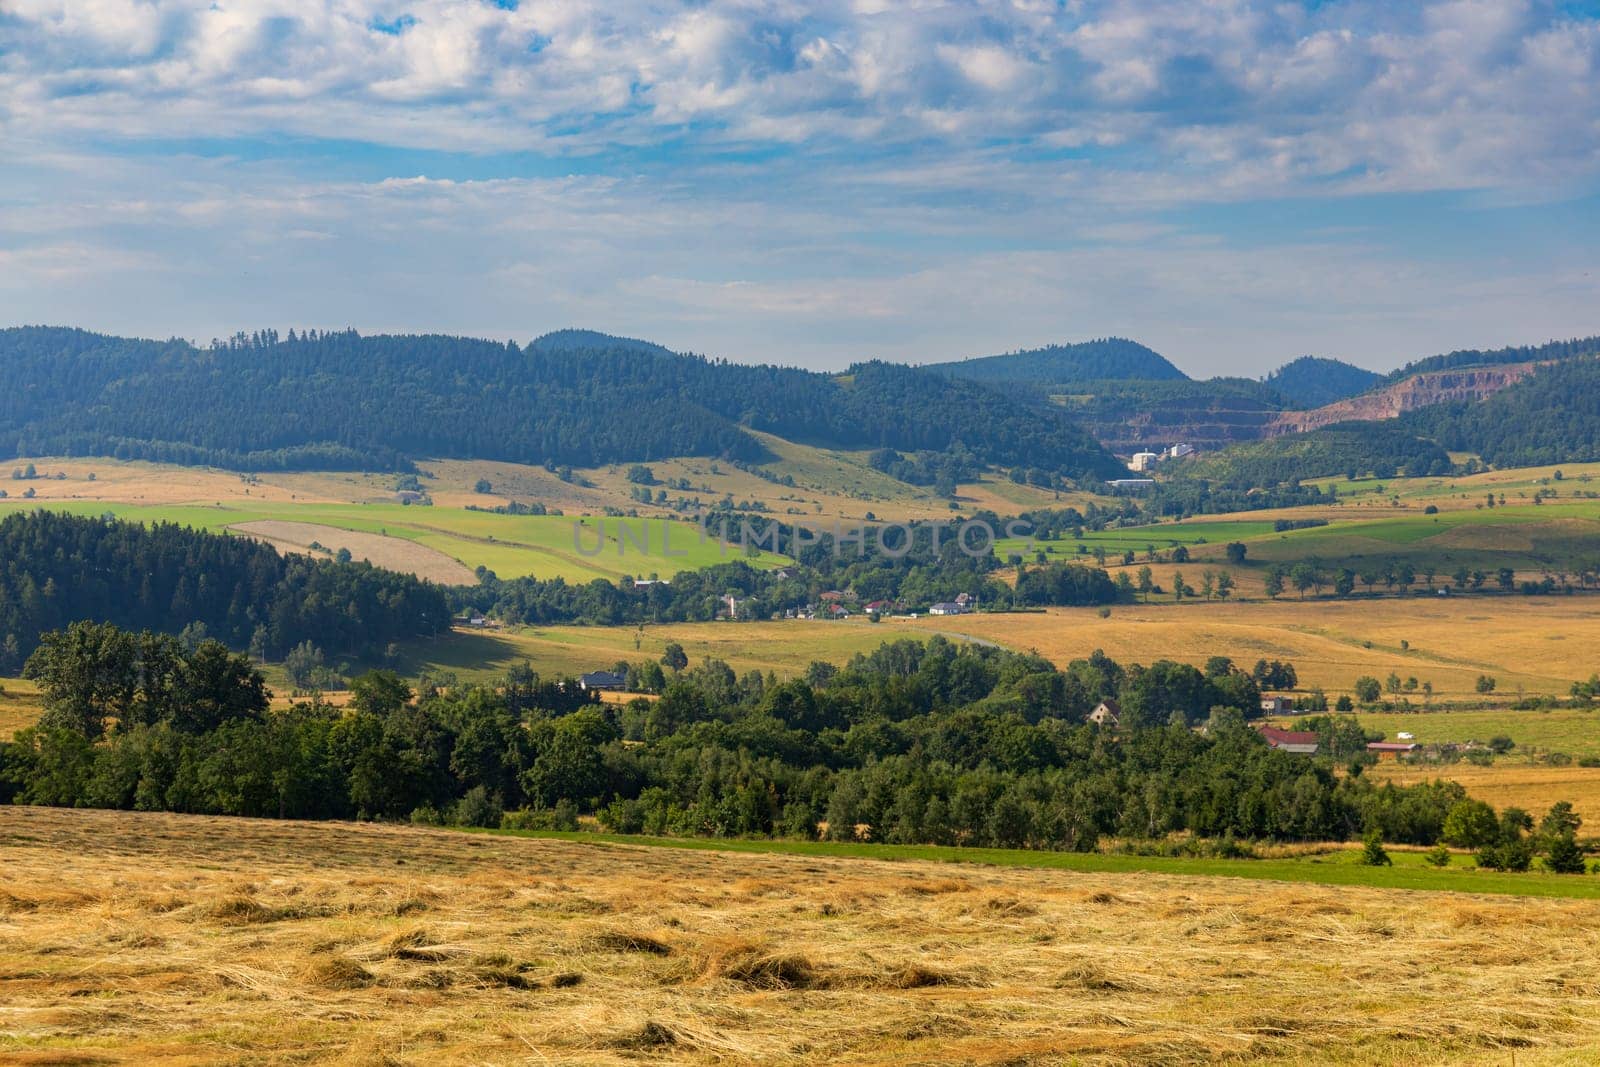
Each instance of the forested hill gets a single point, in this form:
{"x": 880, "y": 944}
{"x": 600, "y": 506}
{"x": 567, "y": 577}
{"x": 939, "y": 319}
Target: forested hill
{"x": 1106, "y": 359}
{"x": 1552, "y": 416}
{"x": 1312, "y": 381}
{"x": 57, "y": 569}
{"x": 1550, "y": 350}
{"x": 342, "y": 401}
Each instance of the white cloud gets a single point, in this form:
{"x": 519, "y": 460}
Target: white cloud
{"x": 918, "y": 179}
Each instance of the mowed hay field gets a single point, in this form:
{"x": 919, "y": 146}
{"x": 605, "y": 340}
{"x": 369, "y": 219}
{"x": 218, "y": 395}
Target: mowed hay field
{"x": 142, "y": 938}
{"x": 1541, "y": 645}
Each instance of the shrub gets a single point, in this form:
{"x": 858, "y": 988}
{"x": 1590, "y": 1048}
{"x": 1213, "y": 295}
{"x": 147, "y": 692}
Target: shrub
{"x": 1437, "y": 856}
{"x": 1501, "y": 744}
{"x": 1373, "y": 854}
{"x": 564, "y": 816}
{"x": 479, "y": 807}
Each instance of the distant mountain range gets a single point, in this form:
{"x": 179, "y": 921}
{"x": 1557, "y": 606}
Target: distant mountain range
{"x": 580, "y": 398}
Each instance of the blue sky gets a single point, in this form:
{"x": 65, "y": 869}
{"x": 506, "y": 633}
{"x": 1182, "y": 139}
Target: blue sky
{"x": 1233, "y": 183}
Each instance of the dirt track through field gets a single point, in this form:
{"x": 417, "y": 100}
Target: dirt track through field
{"x": 391, "y": 553}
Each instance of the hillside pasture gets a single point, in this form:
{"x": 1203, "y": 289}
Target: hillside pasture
{"x": 144, "y": 938}
{"x": 1572, "y": 731}
{"x": 1540, "y": 645}
{"x": 783, "y": 648}
{"x": 574, "y": 548}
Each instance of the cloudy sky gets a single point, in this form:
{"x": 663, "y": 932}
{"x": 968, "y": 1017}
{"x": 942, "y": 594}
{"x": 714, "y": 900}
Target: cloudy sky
{"x": 1234, "y": 183}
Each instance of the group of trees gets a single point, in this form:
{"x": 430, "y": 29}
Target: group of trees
{"x": 1313, "y": 576}
{"x": 55, "y": 569}
{"x": 341, "y": 400}
{"x": 1355, "y": 449}
{"x": 914, "y": 742}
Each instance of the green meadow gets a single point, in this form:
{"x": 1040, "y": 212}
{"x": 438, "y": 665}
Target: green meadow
{"x": 575, "y": 548}
{"x": 1338, "y": 867}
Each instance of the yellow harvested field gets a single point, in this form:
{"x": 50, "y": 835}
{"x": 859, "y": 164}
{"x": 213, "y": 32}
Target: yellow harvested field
{"x": 147, "y": 938}
{"x": 391, "y": 553}
{"x": 1528, "y": 786}
{"x": 1540, "y": 645}
{"x": 20, "y": 706}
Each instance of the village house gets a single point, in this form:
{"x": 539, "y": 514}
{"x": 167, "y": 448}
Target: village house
{"x": 1300, "y": 742}
{"x": 946, "y": 607}
{"x": 611, "y": 680}
{"x": 1107, "y": 715}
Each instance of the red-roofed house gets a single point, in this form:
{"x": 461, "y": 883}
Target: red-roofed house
{"x": 1302, "y": 742}
{"x": 1392, "y": 749}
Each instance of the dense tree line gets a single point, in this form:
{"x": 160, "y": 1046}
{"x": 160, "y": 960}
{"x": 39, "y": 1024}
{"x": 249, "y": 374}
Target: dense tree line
{"x": 1353, "y": 449}
{"x": 1550, "y": 350}
{"x": 914, "y": 743}
{"x": 56, "y": 569}
{"x": 343, "y": 400}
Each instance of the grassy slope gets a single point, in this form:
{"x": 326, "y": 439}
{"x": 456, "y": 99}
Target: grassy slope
{"x": 545, "y": 546}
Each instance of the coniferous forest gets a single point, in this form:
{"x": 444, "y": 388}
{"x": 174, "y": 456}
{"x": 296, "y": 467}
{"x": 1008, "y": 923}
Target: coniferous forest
{"x": 56, "y": 569}
{"x": 344, "y": 401}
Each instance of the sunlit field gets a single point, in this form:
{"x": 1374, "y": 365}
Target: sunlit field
{"x": 154, "y": 938}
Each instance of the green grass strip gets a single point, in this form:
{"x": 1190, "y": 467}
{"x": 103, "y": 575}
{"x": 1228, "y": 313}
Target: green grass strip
{"x": 1331, "y": 869}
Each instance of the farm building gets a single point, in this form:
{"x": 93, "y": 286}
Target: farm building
{"x": 1276, "y": 705}
{"x": 1386, "y": 750}
{"x": 1300, "y": 742}
{"x": 603, "y": 680}
{"x": 946, "y": 607}
{"x": 1108, "y": 714}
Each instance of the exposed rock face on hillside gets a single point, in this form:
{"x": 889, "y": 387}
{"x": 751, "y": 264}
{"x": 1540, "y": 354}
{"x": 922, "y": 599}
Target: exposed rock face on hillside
{"x": 1420, "y": 391}
{"x": 1206, "y": 427}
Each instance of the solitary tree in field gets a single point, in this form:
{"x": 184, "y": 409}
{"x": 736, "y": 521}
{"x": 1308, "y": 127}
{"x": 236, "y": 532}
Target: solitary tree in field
{"x": 1486, "y": 684}
{"x": 1274, "y": 583}
{"x": 674, "y": 657}
{"x": 1147, "y": 582}
{"x": 1368, "y": 689}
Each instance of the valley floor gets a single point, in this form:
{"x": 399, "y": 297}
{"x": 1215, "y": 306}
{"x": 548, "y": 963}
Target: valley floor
{"x": 160, "y": 938}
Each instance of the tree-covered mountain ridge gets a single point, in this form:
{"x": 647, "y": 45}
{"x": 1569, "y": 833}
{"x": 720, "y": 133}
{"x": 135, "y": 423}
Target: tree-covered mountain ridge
{"x": 341, "y": 400}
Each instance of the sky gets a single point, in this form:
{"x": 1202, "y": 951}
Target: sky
{"x": 1233, "y": 183}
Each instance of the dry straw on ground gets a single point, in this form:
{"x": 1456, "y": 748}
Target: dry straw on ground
{"x": 158, "y": 938}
